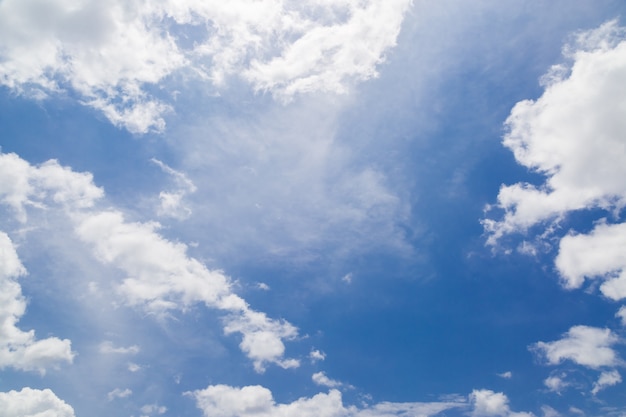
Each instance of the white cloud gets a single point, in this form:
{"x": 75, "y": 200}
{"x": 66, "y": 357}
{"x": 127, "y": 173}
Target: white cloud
{"x": 600, "y": 253}
{"x": 133, "y": 367}
{"x": 24, "y": 185}
{"x": 320, "y": 378}
{"x": 281, "y": 183}
{"x": 489, "y": 403}
{"x": 172, "y": 202}
{"x": 317, "y": 355}
{"x": 19, "y": 349}
{"x": 109, "y": 347}
{"x": 119, "y": 393}
{"x": 161, "y": 276}
{"x": 622, "y": 315}
{"x": 573, "y": 135}
{"x": 556, "y": 383}
{"x": 584, "y": 345}
{"x": 112, "y": 53}
{"x": 506, "y": 375}
{"x": 257, "y": 401}
{"x": 153, "y": 409}
{"x": 33, "y": 403}
{"x": 606, "y": 379}
{"x": 549, "y": 411}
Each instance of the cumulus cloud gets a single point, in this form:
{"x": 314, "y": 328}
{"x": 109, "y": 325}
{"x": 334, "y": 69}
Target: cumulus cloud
{"x": 20, "y": 349}
{"x": 606, "y": 379}
{"x": 555, "y": 383}
{"x": 574, "y": 135}
{"x": 317, "y": 355}
{"x": 622, "y": 315}
{"x": 320, "y": 378}
{"x": 598, "y": 254}
{"x": 489, "y": 403}
{"x": 33, "y": 403}
{"x": 111, "y": 54}
{"x": 583, "y": 345}
{"x": 227, "y": 401}
{"x": 160, "y": 275}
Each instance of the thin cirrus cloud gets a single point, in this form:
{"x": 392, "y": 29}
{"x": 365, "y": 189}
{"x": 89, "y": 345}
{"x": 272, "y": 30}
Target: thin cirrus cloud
{"x": 573, "y": 135}
{"x": 285, "y": 48}
{"x": 162, "y": 277}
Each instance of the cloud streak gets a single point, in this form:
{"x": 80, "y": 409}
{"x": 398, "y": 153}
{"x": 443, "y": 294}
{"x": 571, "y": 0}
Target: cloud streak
{"x": 160, "y": 275}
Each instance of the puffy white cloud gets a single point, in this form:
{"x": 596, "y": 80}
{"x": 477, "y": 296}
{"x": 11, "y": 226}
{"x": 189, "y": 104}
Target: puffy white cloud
{"x": 24, "y": 185}
{"x": 226, "y": 401}
{"x": 112, "y": 53}
{"x": 489, "y": 403}
{"x": 556, "y": 383}
{"x": 317, "y": 355}
{"x": 584, "y": 345}
{"x": 600, "y": 253}
{"x": 160, "y": 274}
{"x": 33, "y": 403}
{"x": 606, "y": 379}
{"x": 20, "y": 349}
{"x": 320, "y": 378}
{"x": 572, "y": 134}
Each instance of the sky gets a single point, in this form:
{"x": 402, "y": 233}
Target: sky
{"x": 324, "y": 208}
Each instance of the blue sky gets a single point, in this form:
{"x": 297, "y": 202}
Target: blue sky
{"x": 317, "y": 208}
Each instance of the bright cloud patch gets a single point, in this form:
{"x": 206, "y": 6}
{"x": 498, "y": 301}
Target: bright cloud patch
{"x": 19, "y": 349}
{"x": 33, "y": 403}
{"x": 584, "y": 345}
{"x": 574, "y": 135}
{"x": 606, "y": 379}
{"x": 599, "y": 254}
{"x": 161, "y": 276}
{"x": 489, "y": 403}
{"x": 226, "y": 401}
{"x": 111, "y": 53}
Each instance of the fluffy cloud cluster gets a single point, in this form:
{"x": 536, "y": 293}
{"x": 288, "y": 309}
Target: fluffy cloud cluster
{"x": 590, "y": 347}
{"x": 574, "y": 135}
{"x": 19, "y": 349}
{"x": 110, "y": 54}
{"x": 227, "y": 401}
{"x": 584, "y": 345}
{"x": 489, "y": 403}
{"x": 33, "y": 403}
{"x": 160, "y": 274}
